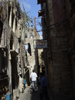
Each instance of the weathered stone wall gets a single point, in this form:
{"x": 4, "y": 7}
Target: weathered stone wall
{"x": 59, "y": 68}
{"x": 71, "y": 30}
{"x": 60, "y": 57}
{"x": 31, "y": 36}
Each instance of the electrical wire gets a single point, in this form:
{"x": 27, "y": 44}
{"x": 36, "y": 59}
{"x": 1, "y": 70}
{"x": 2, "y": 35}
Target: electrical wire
{"x": 55, "y": 23}
{"x": 60, "y": 14}
{"x": 61, "y": 22}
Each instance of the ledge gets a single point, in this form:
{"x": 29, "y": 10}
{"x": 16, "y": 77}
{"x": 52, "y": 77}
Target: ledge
{"x": 13, "y": 53}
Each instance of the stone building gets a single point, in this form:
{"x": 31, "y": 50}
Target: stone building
{"x": 32, "y": 54}
{"x": 12, "y": 49}
{"x": 71, "y": 30}
{"x": 60, "y": 64}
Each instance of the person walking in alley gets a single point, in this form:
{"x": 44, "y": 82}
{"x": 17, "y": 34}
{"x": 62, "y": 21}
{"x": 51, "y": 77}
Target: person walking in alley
{"x": 33, "y": 78}
{"x": 43, "y": 89}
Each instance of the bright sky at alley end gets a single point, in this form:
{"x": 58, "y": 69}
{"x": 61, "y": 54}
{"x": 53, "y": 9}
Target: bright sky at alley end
{"x": 32, "y": 7}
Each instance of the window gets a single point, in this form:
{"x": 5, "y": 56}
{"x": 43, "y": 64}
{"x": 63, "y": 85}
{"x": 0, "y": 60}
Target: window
{"x": 31, "y": 29}
{"x": 31, "y": 37}
{"x": 26, "y": 35}
{"x": 12, "y": 19}
{"x": 28, "y": 30}
{"x": 30, "y": 33}
{"x": 11, "y": 42}
{"x": 31, "y": 25}
{"x": 20, "y": 28}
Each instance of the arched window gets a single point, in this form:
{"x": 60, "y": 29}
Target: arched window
{"x": 31, "y": 36}
{"x": 31, "y": 29}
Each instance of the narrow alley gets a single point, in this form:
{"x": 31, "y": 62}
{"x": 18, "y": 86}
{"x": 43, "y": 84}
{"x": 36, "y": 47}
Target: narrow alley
{"x": 32, "y": 95}
{"x": 37, "y": 38}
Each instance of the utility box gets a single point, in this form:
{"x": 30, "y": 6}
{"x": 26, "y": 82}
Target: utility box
{"x": 8, "y": 96}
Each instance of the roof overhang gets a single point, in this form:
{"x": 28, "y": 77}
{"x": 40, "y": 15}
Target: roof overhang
{"x": 41, "y": 1}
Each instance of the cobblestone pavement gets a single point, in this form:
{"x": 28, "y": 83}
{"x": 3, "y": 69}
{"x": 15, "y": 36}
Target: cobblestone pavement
{"x": 30, "y": 95}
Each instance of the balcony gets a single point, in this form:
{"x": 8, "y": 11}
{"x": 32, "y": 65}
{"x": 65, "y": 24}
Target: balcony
{"x": 41, "y": 1}
{"x": 41, "y": 12}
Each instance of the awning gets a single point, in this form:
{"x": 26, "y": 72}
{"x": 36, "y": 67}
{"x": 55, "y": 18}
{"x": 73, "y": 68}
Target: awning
{"x": 41, "y": 12}
{"x": 41, "y": 1}
{"x": 29, "y": 67}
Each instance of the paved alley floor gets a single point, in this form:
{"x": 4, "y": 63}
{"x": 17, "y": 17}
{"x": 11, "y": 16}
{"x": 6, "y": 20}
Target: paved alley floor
{"x": 31, "y": 95}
